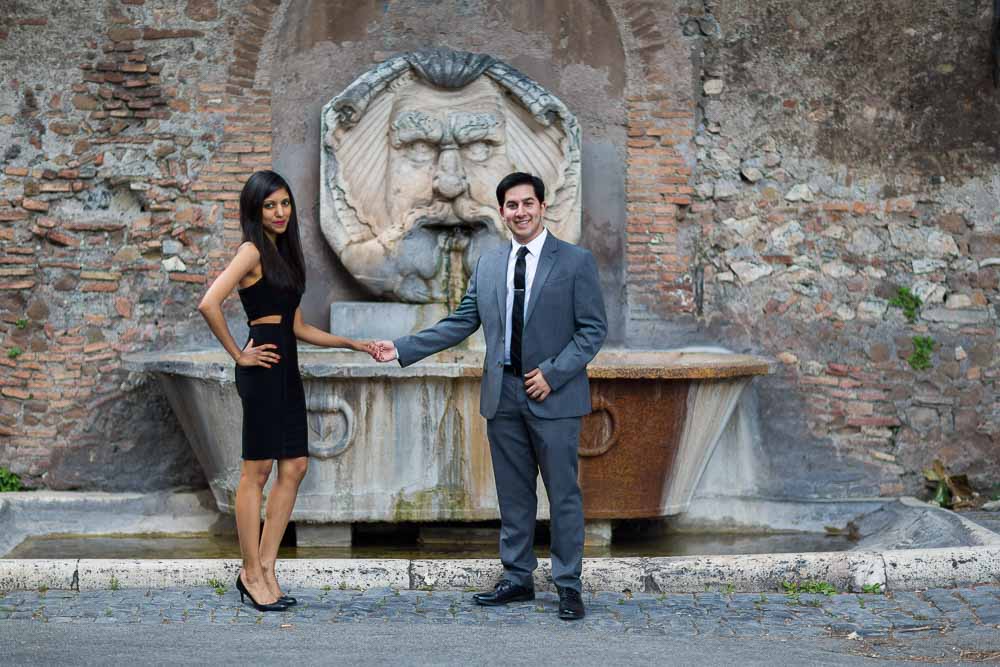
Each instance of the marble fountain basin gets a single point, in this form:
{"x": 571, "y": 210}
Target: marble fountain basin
{"x": 408, "y": 444}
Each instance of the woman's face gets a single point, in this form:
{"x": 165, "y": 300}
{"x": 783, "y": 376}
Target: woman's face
{"x": 275, "y": 212}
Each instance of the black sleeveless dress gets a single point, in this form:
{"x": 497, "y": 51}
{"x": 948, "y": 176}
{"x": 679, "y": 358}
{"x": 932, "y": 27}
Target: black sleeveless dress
{"x": 274, "y": 402}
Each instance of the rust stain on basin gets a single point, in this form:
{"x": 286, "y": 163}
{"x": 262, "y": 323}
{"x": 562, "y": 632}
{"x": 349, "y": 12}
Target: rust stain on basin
{"x": 628, "y": 445}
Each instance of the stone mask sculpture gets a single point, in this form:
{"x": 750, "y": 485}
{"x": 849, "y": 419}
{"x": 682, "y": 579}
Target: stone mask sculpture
{"x": 412, "y": 153}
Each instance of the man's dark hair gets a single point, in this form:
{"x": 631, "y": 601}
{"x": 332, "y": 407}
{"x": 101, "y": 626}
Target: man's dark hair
{"x": 520, "y": 178}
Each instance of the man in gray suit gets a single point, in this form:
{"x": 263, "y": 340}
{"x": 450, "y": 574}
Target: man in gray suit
{"x": 539, "y": 302}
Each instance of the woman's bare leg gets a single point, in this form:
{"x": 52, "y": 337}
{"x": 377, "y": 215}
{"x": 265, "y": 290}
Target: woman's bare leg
{"x": 279, "y": 508}
{"x": 249, "y": 494}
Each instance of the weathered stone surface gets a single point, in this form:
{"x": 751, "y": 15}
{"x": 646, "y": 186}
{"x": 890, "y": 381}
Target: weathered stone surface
{"x": 939, "y": 568}
{"x": 958, "y": 301}
{"x": 29, "y": 574}
{"x": 922, "y": 241}
{"x": 864, "y": 242}
{"x": 752, "y": 174}
{"x": 787, "y": 236}
{"x": 849, "y": 572}
{"x": 949, "y": 316}
{"x": 438, "y": 100}
{"x": 800, "y": 192}
{"x": 749, "y": 272}
{"x": 928, "y": 265}
{"x": 171, "y": 247}
{"x": 872, "y": 309}
{"x": 929, "y": 292}
{"x": 725, "y": 189}
{"x": 747, "y": 227}
{"x": 713, "y": 86}
{"x": 838, "y": 270}
{"x": 174, "y": 264}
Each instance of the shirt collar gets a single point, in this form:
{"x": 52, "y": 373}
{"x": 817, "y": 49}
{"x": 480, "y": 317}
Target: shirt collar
{"x": 534, "y": 246}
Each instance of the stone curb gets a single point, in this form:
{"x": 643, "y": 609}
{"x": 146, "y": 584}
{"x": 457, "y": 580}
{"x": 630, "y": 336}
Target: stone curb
{"x": 846, "y": 571}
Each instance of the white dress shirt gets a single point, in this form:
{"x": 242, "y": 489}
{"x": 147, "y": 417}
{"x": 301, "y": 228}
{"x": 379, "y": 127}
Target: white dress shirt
{"x": 530, "y": 264}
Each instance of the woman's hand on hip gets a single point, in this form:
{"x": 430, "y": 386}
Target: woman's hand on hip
{"x": 260, "y": 355}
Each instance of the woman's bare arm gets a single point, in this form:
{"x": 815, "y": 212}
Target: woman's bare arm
{"x": 310, "y": 334}
{"x": 246, "y": 260}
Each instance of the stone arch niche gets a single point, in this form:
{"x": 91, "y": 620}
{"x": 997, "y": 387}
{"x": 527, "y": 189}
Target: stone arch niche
{"x": 316, "y": 49}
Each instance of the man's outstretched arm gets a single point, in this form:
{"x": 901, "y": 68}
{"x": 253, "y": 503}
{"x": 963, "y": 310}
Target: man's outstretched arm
{"x": 450, "y": 331}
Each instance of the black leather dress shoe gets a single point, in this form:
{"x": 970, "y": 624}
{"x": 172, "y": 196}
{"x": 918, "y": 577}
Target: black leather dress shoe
{"x": 504, "y": 592}
{"x": 570, "y": 604}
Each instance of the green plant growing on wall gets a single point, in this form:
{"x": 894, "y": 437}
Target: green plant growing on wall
{"x": 14, "y": 352}
{"x": 920, "y": 358}
{"x": 21, "y": 323}
{"x": 9, "y": 481}
{"x": 908, "y": 301}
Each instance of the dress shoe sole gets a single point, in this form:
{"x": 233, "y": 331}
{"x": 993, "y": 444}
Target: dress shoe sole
{"x": 491, "y": 603}
{"x": 570, "y": 616}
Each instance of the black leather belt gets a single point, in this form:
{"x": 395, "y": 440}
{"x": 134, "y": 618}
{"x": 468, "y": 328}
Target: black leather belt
{"x": 509, "y": 370}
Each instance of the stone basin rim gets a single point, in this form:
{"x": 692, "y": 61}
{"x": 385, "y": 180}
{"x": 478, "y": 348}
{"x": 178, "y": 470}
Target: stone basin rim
{"x": 317, "y": 363}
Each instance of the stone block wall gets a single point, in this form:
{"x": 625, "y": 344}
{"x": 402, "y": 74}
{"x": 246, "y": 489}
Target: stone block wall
{"x": 762, "y": 176}
{"x": 845, "y": 151}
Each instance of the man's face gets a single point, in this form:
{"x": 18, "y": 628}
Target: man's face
{"x": 447, "y": 151}
{"x": 523, "y": 213}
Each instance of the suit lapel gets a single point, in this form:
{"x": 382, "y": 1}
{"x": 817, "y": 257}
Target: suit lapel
{"x": 545, "y": 264}
{"x": 499, "y": 273}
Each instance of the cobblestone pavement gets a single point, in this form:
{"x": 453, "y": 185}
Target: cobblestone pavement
{"x": 933, "y": 625}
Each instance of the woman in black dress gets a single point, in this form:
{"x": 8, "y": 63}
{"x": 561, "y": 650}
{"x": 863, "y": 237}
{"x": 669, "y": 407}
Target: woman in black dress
{"x": 270, "y": 272}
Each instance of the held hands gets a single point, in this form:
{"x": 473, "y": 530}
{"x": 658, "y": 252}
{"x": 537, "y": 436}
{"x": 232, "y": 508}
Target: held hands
{"x": 384, "y": 351}
{"x": 366, "y": 346}
{"x": 535, "y": 386}
{"x": 258, "y": 356}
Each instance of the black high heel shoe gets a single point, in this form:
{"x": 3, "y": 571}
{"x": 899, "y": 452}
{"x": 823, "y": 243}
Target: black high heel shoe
{"x": 287, "y": 600}
{"x": 274, "y": 606}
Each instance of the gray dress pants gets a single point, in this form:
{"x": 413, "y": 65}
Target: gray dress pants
{"x": 521, "y": 445}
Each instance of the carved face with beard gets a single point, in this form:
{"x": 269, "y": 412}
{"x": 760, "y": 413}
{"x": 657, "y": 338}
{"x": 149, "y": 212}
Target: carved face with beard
{"x": 413, "y": 152}
{"x": 447, "y": 151}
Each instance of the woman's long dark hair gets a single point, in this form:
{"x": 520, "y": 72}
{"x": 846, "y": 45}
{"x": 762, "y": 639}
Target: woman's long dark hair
{"x": 281, "y": 261}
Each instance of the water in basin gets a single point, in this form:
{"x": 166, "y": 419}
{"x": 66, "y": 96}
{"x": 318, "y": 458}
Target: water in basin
{"x": 404, "y": 542}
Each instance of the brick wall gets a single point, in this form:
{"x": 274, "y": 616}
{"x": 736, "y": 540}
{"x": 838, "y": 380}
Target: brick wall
{"x": 772, "y": 207}
{"x": 119, "y": 203}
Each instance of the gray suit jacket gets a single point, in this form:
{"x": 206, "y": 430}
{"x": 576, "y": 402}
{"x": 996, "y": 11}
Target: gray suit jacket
{"x": 564, "y": 327}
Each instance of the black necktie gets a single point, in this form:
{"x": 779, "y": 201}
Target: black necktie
{"x": 517, "y": 312}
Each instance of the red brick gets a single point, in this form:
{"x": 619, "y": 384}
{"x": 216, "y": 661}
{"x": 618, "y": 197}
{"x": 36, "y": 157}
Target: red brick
{"x": 124, "y": 34}
{"x": 59, "y": 238}
{"x": 153, "y": 34}
{"x": 123, "y": 307}
{"x": 873, "y": 421}
{"x": 187, "y": 277}
{"x": 10, "y": 215}
{"x": 35, "y": 205}
{"x": 12, "y": 392}
{"x": 99, "y": 286}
